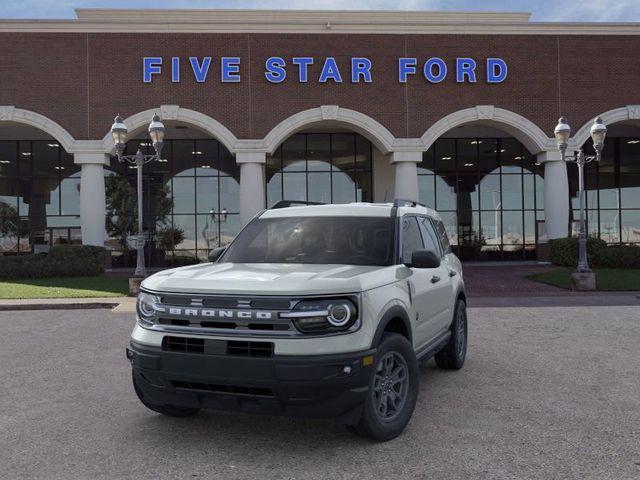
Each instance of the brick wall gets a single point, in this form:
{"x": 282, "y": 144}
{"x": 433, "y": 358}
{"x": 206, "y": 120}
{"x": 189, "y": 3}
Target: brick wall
{"x": 82, "y": 80}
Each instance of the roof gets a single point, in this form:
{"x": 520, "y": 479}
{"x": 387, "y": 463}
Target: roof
{"x": 310, "y": 21}
{"x": 345, "y": 209}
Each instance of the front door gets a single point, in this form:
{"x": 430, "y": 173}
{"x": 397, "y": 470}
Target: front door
{"x": 430, "y": 287}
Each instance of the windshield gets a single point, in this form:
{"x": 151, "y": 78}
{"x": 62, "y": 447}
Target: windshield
{"x": 338, "y": 240}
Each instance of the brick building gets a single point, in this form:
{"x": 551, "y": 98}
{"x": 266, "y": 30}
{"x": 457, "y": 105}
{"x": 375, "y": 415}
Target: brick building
{"x": 456, "y": 110}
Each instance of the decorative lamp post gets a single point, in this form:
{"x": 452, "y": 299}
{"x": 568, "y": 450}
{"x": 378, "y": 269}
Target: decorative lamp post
{"x": 598, "y": 132}
{"x": 119, "y": 133}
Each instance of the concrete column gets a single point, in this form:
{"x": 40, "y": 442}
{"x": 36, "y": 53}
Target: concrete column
{"x": 92, "y": 197}
{"x": 252, "y": 188}
{"x": 556, "y": 194}
{"x": 406, "y": 172}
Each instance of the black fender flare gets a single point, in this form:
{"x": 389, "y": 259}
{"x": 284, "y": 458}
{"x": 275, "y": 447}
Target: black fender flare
{"x": 396, "y": 311}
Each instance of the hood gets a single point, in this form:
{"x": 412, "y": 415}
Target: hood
{"x": 270, "y": 279}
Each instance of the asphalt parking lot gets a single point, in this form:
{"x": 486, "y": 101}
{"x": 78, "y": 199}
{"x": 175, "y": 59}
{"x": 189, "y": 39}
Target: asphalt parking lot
{"x": 549, "y": 392}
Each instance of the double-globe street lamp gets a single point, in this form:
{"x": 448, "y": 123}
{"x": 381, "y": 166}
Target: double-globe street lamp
{"x": 562, "y": 133}
{"x": 119, "y": 133}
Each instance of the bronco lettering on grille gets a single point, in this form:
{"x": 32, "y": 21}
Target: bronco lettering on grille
{"x": 213, "y": 313}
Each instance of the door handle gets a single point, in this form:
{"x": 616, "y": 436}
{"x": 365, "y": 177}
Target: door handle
{"x": 435, "y": 279}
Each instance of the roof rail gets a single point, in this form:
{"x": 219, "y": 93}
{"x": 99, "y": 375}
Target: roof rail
{"x": 293, "y": 203}
{"x": 400, "y": 202}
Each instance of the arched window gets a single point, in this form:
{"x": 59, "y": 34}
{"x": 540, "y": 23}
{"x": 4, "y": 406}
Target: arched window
{"x": 321, "y": 167}
{"x": 194, "y": 190}
{"x": 489, "y": 192}
{"x": 39, "y": 196}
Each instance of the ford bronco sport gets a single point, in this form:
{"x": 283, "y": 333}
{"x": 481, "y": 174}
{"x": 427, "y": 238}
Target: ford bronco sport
{"x": 320, "y": 311}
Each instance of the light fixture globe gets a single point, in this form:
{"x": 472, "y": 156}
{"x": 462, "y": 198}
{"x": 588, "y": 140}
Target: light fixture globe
{"x": 156, "y": 132}
{"x": 119, "y": 133}
{"x": 598, "y": 133}
{"x": 562, "y": 133}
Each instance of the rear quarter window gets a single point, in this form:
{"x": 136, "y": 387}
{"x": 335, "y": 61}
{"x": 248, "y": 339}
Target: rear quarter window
{"x": 442, "y": 235}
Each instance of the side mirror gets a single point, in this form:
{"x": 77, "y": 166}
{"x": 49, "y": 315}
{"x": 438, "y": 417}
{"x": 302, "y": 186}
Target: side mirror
{"x": 424, "y": 259}
{"x": 216, "y": 253}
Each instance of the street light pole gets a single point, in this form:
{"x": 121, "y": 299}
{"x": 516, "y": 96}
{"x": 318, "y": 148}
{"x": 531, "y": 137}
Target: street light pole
{"x": 119, "y": 133}
{"x": 562, "y": 133}
{"x": 141, "y": 271}
{"x": 583, "y": 262}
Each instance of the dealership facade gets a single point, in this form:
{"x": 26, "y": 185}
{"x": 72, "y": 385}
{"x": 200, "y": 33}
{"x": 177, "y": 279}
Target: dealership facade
{"x": 455, "y": 110}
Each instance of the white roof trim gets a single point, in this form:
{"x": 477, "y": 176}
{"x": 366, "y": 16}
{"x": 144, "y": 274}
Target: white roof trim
{"x": 311, "y": 21}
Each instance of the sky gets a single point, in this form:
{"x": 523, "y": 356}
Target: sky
{"x": 542, "y": 10}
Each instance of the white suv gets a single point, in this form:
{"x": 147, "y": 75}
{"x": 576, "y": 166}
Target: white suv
{"x": 319, "y": 311}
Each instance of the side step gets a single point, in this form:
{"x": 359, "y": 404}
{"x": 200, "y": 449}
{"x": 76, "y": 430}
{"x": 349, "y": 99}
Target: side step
{"x": 434, "y": 346}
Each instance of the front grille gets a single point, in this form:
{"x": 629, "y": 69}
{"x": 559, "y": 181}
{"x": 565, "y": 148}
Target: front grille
{"x": 217, "y": 347}
{"x": 228, "y": 389}
{"x": 183, "y": 344}
{"x": 250, "y": 349}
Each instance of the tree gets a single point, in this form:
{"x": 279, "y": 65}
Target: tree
{"x": 9, "y": 221}
{"x": 122, "y": 209}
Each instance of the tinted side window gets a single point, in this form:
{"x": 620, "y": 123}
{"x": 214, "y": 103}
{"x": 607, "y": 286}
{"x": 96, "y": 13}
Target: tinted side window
{"x": 442, "y": 234}
{"x": 429, "y": 236}
{"x": 411, "y": 238}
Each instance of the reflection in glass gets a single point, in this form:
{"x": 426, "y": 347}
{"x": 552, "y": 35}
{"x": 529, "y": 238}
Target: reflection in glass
{"x": 630, "y": 223}
{"x": 610, "y": 226}
{"x": 320, "y": 167}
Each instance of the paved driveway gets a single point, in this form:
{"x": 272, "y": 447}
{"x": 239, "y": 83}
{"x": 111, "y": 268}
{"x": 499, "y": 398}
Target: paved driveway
{"x": 547, "y": 393}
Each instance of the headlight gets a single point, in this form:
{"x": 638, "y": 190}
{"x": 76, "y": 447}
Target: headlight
{"x": 324, "y": 315}
{"x": 146, "y": 307}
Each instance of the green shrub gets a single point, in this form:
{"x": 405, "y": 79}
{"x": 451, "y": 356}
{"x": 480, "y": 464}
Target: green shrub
{"x": 564, "y": 251}
{"x": 618, "y": 256}
{"x": 61, "y": 261}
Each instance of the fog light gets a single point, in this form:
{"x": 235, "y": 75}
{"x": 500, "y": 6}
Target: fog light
{"x": 129, "y": 354}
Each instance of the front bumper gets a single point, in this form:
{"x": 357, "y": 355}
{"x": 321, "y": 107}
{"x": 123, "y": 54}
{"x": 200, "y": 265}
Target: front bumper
{"x": 323, "y": 386}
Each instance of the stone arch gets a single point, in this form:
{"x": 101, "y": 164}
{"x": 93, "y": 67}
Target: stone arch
{"x": 629, "y": 112}
{"x": 10, "y": 113}
{"x": 373, "y": 130}
{"x": 177, "y": 113}
{"x": 527, "y": 132}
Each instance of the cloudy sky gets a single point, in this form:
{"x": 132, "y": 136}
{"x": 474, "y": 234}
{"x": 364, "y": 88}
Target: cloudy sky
{"x": 543, "y": 10}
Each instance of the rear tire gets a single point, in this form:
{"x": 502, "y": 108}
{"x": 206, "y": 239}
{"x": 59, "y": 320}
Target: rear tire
{"x": 169, "y": 410}
{"x": 452, "y": 356}
{"x": 393, "y": 390}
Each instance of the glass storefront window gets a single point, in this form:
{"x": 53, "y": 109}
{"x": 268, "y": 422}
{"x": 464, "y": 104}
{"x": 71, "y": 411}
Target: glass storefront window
{"x": 201, "y": 181}
{"x": 490, "y": 191}
{"x": 39, "y": 196}
{"x": 321, "y": 167}
{"x": 612, "y": 188}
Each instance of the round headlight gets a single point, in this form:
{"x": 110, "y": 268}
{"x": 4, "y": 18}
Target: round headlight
{"x": 146, "y": 306}
{"x": 339, "y": 314}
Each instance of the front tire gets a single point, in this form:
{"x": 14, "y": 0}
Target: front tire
{"x": 169, "y": 410}
{"x": 452, "y": 356}
{"x": 393, "y": 390}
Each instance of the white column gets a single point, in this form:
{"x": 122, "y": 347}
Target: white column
{"x": 92, "y": 197}
{"x": 406, "y": 171}
{"x": 556, "y": 194}
{"x": 252, "y": 193}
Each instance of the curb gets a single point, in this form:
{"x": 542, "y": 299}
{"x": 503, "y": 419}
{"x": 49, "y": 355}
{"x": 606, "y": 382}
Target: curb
{"x": 57, "y": 306}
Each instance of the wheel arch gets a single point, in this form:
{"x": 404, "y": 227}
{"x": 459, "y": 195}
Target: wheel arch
{"x": 396, "y": 320}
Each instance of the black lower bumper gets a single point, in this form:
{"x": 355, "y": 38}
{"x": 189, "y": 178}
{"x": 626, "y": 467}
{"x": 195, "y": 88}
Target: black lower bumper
{"x": 323, "y": 386}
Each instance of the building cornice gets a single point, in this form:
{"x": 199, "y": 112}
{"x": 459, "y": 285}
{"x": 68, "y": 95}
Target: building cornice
{"x": 314, "y": 22}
